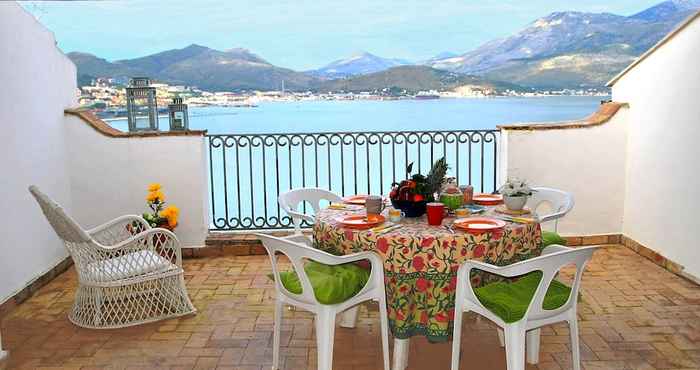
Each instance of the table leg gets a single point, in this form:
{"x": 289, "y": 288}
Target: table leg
{"x": 348, "y": 319}
{"x": 401, "y": 347}
{"x": 532, "y": 346}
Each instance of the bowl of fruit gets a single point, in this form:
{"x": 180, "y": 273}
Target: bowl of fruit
{"x": 412, "y": 195}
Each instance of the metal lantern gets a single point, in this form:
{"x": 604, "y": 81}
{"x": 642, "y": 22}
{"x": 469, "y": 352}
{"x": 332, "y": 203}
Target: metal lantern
{"x": 179, "y": 121}
{"x": 141, "y": 105}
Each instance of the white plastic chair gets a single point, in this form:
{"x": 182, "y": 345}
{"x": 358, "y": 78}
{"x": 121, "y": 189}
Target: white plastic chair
{"x": 560, "y": 201}
{"x": 291, "y": 200}
{"x": 553, "y": 258}
{"x": 290, "y": 203}
{"x": 128, "y": 272}
{"x": 325, "y": 315}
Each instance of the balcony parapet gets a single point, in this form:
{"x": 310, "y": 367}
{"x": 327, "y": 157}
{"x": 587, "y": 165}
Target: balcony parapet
{"x": 105, "y": 129}
{"x": 605, "y": 112}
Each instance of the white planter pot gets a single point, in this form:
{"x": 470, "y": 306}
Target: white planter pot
{"x": 515, "y": 203}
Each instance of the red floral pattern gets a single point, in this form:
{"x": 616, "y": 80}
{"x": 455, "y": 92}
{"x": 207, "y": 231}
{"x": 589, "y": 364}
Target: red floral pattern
{"x": 421, "y": 262}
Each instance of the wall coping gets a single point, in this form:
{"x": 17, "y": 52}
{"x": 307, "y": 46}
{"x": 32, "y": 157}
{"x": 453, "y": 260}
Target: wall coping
{"x": 105, "y": 129}
{"x": 604, "y": 113}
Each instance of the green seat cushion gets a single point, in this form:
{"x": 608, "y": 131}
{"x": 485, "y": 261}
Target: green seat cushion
{"x": 509, "y": 301}
{"x": 550, "y": 237}
{"x": 331, "y": 284}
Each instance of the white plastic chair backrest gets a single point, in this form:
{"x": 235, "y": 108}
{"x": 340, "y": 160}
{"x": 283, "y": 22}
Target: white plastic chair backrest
{"x": 298, "y": 254}
{"x": 64, "y": 225}
{"x": 291, "y": 200}
{"x": 549, "y": 264}
{"x": 560, "y": 201}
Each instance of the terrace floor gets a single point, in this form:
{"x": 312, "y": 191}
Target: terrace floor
{"x": 633, "y": 315}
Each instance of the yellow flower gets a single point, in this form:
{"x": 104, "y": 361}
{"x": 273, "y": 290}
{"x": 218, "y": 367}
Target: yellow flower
{"x": 171, "y": 213}
{"x": 154, "y": 196}
{"x": 154, "y": 187}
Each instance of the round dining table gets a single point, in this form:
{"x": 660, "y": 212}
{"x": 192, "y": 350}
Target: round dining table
{"x": 421, "y": 262}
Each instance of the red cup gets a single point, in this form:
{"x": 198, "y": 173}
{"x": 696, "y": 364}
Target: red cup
{"x": 436, "y": 213}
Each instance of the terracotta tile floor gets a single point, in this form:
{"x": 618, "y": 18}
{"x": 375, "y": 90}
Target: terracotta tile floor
{"x": 634, "y": 315}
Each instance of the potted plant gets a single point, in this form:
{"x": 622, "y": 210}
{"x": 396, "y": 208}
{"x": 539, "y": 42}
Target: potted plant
{"x": 413, "y": 194}
{"x": 515, "y": 194}
{"x": 160, "y": 215}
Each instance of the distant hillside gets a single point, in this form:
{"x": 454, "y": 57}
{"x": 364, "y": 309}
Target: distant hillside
{"x": 571, "y": 49}
{"x": 412, "y": 79}
{"x": 195, "y": 65}
{"x": 358, "y": 64}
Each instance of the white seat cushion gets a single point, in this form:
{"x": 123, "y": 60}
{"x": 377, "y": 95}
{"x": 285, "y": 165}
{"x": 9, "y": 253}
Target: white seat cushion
{"x": 129, "y": 265}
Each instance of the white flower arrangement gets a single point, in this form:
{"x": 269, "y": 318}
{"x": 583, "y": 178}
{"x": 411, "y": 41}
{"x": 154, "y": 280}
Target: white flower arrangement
{"x": 515, "y": 188}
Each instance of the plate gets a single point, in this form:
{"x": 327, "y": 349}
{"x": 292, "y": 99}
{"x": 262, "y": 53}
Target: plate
{"x": 479, "y": 224}
{"x": 488, "y": 199}
{"x": 362, "y": 221}
{"x": 506, "y": 211}
{"x": 474, "y": 208}
{"x": 355, "y": 199}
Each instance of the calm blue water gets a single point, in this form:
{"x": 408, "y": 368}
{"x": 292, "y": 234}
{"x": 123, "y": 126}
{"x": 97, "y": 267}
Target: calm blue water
{"x": 248, "y": 173}
{"x": 397, "y": 115}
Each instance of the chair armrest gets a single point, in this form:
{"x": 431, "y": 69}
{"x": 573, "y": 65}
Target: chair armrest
{"x": 554, "y": 248}
{"x": 119, "y": 229}
{"x": 551, "y": 216}
{"x": 161, "y": 241}
{"x": 302, "y": 216}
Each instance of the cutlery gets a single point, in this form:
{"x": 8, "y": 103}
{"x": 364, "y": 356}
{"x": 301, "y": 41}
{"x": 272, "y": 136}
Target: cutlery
{"x": 449, "y": 228}
{"x": 391, "y": 228}
{"x": 519, "y": 220}
{"x": 384, "y": 226}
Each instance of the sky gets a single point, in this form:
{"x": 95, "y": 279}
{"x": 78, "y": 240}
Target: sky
{"x": 299, "y": 34}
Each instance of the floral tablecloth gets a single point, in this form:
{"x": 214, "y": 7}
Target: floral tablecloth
{"x": 421, "y": 262}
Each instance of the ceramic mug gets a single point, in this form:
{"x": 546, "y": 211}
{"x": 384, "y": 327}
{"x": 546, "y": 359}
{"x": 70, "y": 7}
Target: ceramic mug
{"x": 436, "y": 213}
{"x": 462, "y": 212}
{"x": 395, "y": 215}
{"x": 374, "y": 204}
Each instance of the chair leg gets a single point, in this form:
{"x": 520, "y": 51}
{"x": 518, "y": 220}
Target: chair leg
{"x": 532, "y": 346}
{"x": 515, "y": 347}
{"x": 325, "y": 333}
{"x": 401, "y": 347}
{"x": 277, "y": 331}
{"x": 457, "y": 336}
{"x": 573, "y": 332}
{"x": 384, "y": 322}
{"x": 348, "y": 319}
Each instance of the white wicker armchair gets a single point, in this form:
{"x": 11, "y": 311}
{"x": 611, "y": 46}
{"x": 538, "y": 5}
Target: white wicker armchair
{"x": 128, "y": 272}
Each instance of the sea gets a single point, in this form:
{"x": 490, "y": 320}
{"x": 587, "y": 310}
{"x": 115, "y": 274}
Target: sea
{"x": 248, "y": 170}
{"x": 388, "y": 115}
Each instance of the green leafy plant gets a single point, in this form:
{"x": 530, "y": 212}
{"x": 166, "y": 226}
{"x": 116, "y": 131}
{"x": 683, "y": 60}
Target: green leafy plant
{"x": 419, "y": 187}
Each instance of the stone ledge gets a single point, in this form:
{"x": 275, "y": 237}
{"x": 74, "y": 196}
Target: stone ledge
{"x": 605, "y": 112}
{"x": 105, "y": 129}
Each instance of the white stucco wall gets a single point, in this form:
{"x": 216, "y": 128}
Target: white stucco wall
{"x": 110, "y": 177}
{"x": 663, "y": 173}
{"x": 38, "y": 83}
{"x": 588, "y": 162}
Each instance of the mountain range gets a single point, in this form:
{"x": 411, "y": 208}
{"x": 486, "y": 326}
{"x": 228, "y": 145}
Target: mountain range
{"x": 561, "y": 50}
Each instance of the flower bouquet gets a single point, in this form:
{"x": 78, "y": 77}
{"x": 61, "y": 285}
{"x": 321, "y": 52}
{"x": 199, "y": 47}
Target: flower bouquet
{"x": 413, "y": 194}
{"x": 160, "y": 215}
{"x": 515, "y": 194}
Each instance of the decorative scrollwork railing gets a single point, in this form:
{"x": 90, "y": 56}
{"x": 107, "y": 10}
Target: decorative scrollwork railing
{"x": 247, "y": 172}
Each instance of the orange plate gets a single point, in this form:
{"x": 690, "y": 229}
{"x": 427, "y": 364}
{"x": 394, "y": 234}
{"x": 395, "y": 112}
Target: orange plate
{"x": 362, "y": 221}
{"x": 479, "y": 225}
{"x": 355, "y": 199}
{"x": 488, "y": 199}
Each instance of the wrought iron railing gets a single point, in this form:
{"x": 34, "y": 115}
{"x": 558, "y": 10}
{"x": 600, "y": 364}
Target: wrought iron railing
{"x": 249, "y": 171}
